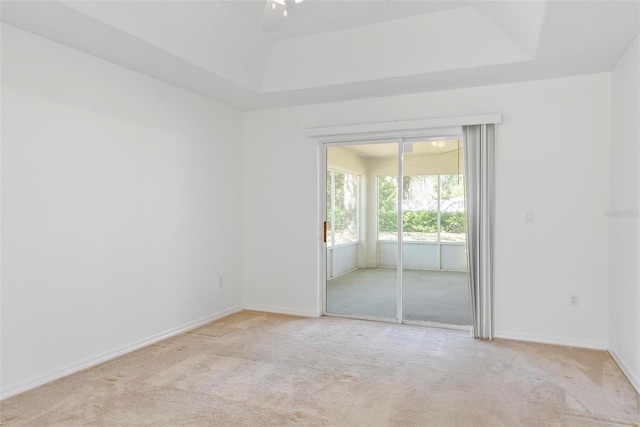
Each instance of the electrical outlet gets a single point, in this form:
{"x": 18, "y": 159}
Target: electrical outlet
{"x": 221, "y": 282}
{"x": 574, "y": 301}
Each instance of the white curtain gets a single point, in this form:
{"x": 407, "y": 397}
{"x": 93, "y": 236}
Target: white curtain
{"x": 479, "y": 157}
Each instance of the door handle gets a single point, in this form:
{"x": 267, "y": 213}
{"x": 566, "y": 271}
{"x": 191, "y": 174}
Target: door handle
{"x": 324, "y": 232}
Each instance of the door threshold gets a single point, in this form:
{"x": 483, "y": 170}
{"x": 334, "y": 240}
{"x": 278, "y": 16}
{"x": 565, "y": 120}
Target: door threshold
{"x": 368, "y": 318}
{"x": 438, "y": 325}
{"x": 427, "y": 324}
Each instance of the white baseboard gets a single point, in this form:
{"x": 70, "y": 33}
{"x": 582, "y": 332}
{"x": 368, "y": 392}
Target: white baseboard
{"x": 280, "y": 310}
{"x": 567, "y": 342}
{"x": 64, "y": 371}
{"x": 634, "y": 380}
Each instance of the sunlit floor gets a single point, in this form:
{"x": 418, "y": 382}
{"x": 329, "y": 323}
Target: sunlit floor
{"x": 434, "y": 296}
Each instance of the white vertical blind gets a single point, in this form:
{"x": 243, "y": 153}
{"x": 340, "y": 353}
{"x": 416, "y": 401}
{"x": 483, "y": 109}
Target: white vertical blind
{"x": 479, "y": 158}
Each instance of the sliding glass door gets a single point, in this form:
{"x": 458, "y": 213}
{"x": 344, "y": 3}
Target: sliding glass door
{"x": 354, "y": 285}
{"x": 373, "y": 270}
{"x": 434, "y": 261}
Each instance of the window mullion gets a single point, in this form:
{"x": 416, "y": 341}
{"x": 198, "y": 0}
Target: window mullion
{"x": 439, "y": 217}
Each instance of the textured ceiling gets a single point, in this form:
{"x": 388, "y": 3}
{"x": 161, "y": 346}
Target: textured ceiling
{"x": 336, "y": 50}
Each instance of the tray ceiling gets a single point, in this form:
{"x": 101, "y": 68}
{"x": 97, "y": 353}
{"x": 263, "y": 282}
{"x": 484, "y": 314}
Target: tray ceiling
{"x": 337, "y": 50}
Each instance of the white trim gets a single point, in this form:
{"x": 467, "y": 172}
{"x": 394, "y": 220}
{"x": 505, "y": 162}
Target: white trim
{"x": 422, "y": 127}
{"x": 72, "y": 368}
{"x": 321, "y": 256}
{"x": 282, "y": 310}
{"x": 542, "y": 339}
{"x": 400, "y": 235}
{"x": 635, "y": 381}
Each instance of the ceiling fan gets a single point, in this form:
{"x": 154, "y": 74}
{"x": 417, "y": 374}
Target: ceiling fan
{"x": 275, "y": 12}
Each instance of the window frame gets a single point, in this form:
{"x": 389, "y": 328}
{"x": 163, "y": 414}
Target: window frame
{"x": 438, "y": 212}
{"x": 331, "y": 193}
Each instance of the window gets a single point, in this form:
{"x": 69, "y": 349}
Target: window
{"x": 343, "y": 199}
{"x": 433, "y": 208}
{"x": 453, "y": 218}
{"x": 387, "y": 208}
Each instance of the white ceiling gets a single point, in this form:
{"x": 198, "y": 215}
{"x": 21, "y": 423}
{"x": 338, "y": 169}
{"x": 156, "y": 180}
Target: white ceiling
{"x": 338, "y": 50}
{"x": 384, "y": 151}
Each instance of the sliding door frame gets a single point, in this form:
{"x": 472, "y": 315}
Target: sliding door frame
{"x": 432, "y": 135}
{"x": 400, "y": 226}
{"x": 322, "y": 214}
{"x": 427, "y": 322}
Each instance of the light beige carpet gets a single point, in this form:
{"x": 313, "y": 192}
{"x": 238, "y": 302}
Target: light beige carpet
{"x": 254, "y": 369}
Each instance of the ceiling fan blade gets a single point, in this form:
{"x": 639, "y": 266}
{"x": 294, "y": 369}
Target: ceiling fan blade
{"x": 272, "y": 17}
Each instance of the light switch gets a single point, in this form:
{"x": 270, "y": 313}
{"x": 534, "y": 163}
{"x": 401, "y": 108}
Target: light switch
{"x": 530, "y": 217}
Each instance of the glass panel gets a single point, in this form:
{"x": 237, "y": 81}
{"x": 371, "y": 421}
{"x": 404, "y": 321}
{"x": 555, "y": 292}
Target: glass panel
{"x": 434, "y": 276}
{"x": 420, "y": 208}
{"x": 387, "y": 208}
{"x": 361, "y": 271}
{"x": 330, "y": 207}
{"x": 346, "y": 207}
{"x": 453, "y": 219}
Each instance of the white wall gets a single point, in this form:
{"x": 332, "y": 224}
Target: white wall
{"x": 120, "y": 199}
{"x": 553, "y": 151}
{"x": 624, "y": 243}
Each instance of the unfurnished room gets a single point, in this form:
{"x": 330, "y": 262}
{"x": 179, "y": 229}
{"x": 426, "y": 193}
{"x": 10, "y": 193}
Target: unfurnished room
{"x": 320, "y": 212}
